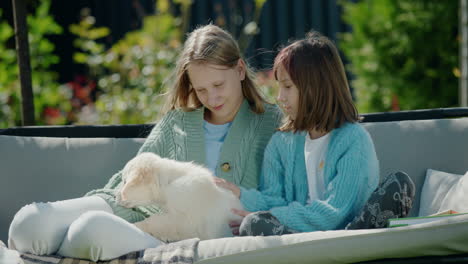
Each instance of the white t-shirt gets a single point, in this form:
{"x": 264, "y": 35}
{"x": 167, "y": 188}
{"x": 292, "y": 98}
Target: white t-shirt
{"x": 314, "y": 154}
{"x": 214, "y": 139}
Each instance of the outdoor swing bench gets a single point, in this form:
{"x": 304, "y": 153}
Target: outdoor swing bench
{"x": 65, "y": 162}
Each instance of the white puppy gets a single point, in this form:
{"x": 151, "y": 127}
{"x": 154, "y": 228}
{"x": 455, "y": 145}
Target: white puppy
{"x": 192, "y": 204}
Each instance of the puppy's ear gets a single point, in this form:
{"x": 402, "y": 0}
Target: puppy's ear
{"x": 150, "y": 156}
{"x": 143, "y": 176}
{"x": 157, "y": 186}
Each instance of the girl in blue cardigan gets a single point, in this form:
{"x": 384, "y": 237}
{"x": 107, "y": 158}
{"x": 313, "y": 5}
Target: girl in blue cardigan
{"x": 321, "y": 167}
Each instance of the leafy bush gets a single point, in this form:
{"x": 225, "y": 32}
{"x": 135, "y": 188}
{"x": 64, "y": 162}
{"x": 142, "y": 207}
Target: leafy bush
{"x": 133, "y": 74}
{"x": 51, "y": 100}
{"x": 8, "y": 87}
{"x": 403, "y": 53}
{"x": 124, "y": 83}
{"x": 130, "y": 75}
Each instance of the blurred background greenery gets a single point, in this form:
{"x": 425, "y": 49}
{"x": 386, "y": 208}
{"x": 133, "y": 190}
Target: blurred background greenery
{"x": 400, "y": 55}
{"x": 403, "y": 54}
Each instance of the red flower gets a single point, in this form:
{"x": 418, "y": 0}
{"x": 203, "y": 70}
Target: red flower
{"x": 51, "y": 112}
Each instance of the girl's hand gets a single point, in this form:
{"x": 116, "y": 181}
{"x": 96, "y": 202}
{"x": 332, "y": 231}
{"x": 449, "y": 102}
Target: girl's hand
{"x": 234, "y": 225}
{"x": 227, "y": 185}
{"x": 240, "y": 212}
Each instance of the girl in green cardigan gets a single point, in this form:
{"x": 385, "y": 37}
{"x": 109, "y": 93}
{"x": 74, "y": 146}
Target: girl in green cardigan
{"x": 216, "y": 117}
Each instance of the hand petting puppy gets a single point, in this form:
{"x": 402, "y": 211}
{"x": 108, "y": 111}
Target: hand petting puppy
{"x": 227, "y": 185}
{"x": 234, "y": 225}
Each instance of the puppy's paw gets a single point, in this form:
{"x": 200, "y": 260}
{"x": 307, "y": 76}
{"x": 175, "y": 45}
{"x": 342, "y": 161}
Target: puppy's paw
{"x": 143, "y": 227}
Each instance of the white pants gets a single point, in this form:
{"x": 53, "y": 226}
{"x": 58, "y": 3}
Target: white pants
{"x": 79, "y": 228}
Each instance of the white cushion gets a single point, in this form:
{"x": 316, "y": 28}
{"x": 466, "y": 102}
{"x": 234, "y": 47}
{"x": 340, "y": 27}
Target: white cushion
{"x": 435, "y": 188}
{"x": 457, "y": 197}
{"x": 443, "y": 237}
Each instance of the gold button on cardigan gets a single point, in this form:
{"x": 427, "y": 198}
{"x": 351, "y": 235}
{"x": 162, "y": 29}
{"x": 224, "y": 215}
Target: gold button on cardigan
{"x": 226, "y": 167}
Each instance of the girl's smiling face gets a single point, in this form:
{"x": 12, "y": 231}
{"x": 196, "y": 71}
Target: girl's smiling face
{"x": 288, "y": 94}
{"x": 219, "y": 89}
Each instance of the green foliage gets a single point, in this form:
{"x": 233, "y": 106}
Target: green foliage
{"x": 133, "y": 74}
{"x": 92, "y": 51}
{"x": 8, "y": 76}
{"x": 48, "y": 95}
{"x": 405, "y": 49}
{"x": 130, "y": 75}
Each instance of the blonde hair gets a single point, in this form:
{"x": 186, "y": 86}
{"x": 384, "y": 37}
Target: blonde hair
{"x": 315, "y": 67}
{"x": 209, "y": 44}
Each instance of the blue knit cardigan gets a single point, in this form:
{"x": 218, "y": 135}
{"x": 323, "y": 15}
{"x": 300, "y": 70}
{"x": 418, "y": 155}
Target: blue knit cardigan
{"x": 351, "y": 174}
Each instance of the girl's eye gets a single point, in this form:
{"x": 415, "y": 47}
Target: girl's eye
{"x": 200, "y": 91}
{"x": 218, "y": 84}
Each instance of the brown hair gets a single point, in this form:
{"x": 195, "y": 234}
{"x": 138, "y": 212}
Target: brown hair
{"x": 316, "y": 69}
{"x": 209, "y": 44}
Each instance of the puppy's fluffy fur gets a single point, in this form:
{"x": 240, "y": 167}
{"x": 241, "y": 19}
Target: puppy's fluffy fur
{"x": 193, "y": 205}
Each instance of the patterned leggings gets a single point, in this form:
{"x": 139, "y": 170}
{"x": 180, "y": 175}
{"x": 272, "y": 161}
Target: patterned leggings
{"x": 392, "y": 199}
{"x": 263, "y": 223}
